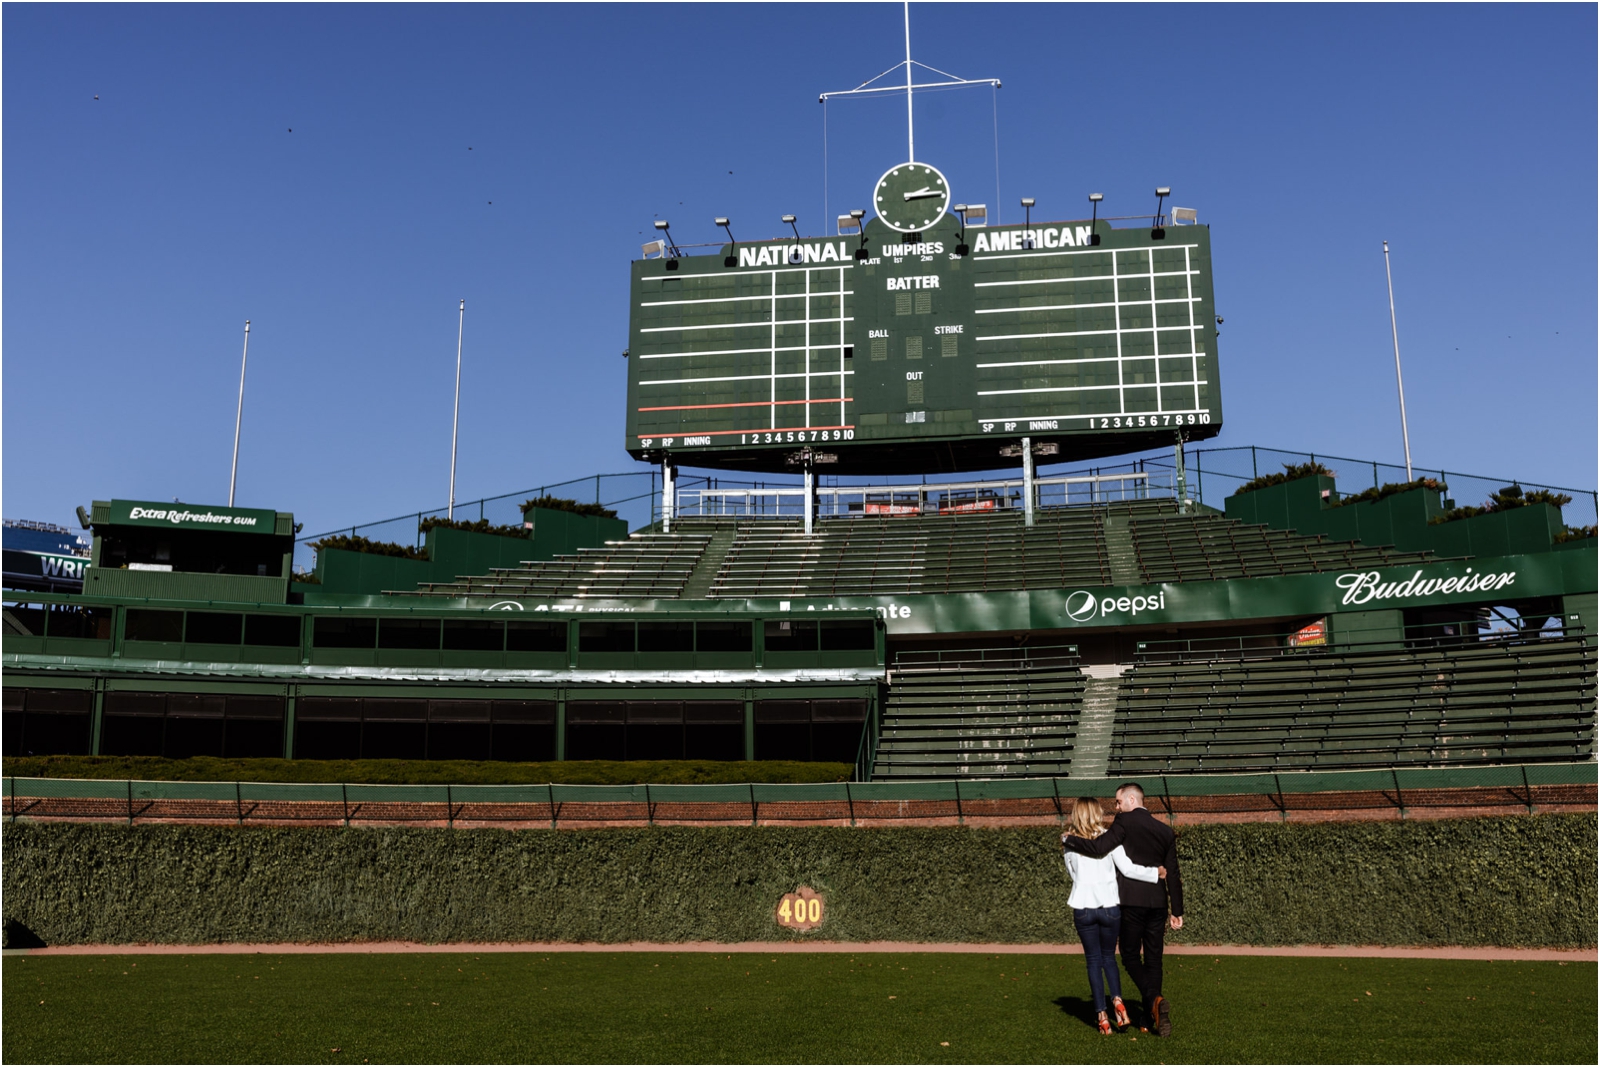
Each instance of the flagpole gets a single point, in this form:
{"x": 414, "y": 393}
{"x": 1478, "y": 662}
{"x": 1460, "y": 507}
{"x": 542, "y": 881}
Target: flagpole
{"x": 238, "y": 419}
{"x": 455, "y": 422}
{"x": 1405, "y": 433}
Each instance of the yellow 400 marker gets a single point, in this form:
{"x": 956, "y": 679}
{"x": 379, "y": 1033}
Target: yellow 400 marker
{"x": 800, "y": 910}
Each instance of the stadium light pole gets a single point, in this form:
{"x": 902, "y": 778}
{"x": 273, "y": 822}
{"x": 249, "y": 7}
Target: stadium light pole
{"x": 238, "y": 419}
{"x": 1394, "y": 328}
{"x": 911, "y": 137}
{"x": 455, "y": 421}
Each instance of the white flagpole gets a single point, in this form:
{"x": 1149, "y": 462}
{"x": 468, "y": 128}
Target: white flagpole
{"x": 1405, "y": 434}
{"x": 455, "y": 421}
{"x": 238, "y": 419}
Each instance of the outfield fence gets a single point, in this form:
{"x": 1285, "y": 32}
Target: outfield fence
{"x": 1389, "y": 792}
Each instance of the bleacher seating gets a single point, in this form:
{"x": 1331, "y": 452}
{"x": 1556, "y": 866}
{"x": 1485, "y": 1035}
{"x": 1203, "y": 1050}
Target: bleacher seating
{"x": 652, "y": 565}
{"x": 973, "y": 552}
{"x": 1204, "y": 547}
{"x": 1496, "y": 702}
{"x": 979, "y": 720}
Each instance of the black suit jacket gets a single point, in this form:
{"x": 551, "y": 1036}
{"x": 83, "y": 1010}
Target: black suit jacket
{"x": 1149, "y": 842}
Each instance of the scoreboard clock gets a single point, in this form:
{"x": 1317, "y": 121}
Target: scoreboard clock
{"x": 920, "y": 357}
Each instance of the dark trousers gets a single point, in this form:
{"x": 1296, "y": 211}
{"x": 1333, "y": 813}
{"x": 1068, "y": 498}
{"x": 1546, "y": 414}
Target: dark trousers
{"x": 1144, "y": 933}
{"x": 1097, "y": 929}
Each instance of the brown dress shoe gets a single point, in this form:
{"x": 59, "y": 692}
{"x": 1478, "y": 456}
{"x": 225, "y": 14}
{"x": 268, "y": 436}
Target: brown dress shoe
{"x": 1161, "y": 1016}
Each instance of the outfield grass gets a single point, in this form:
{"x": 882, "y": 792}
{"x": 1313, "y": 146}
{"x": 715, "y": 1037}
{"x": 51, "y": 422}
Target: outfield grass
{"x": 692, "y": 1007}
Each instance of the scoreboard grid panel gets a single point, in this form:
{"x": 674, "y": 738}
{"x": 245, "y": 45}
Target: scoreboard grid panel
{"x": 828, "y": 351}
{"x": 1119, "y": 259}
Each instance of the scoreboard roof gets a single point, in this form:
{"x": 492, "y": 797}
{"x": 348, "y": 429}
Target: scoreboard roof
{"x": 933, "y": 352}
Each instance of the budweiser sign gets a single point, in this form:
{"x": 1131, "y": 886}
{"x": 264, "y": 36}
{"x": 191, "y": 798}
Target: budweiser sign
{"x": 1363, "y": 588}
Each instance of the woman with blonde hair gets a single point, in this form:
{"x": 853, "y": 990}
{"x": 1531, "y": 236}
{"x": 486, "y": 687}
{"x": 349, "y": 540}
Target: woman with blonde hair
{"x": 1096, "y": 907}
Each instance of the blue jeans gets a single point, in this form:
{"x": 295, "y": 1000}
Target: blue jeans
{"x": 1098, "y": 929}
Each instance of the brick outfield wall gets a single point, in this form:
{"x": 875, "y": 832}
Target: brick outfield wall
{"x": 1363, "y": 806}
{"x": 1501, "y": 881}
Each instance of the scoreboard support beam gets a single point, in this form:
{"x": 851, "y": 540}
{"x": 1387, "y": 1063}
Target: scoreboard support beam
{"x": 1027, "y": 481}
{"x": 669, "y": 494}
{"x": 811, "y": 495}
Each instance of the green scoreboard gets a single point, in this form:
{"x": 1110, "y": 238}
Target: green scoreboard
{"x": 922, "y": 344}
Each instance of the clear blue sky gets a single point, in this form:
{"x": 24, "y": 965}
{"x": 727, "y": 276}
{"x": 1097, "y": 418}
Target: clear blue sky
{"x": 143, "y": 228}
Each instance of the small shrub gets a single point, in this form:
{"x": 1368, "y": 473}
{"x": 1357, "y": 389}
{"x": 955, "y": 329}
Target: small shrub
{"x": 373, "y": 548}
{"x": 1292, "y": 472}
{"x": 1508, "y": 498}
{"x": 483, "y": 526}
{"x": 1576, "y": 533}
{"x": 559, "y": 503}
{"x": 1376, "y": 493}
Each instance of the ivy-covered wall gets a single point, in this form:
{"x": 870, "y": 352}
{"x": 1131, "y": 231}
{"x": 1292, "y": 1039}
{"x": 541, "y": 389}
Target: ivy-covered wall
{"x": 1526, "y": 880}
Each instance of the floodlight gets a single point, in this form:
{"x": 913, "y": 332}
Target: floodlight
{"x": 787, "y": 219}
{"x": 666, "y": 231}
{"x": 1156, "y": 231}
{"x": 662, "y": 224}
{"x": 654, "y": 249}
{"x": 1094, "y": 217}
{"x": 731, "y": 259}
{"x": 848, "y": 225}
{"x": 858, "y": 214}
{"x": 1185, "y": 216}
{"x": 1027, "y": 201}
{"x": 1027, "y": 220}
{"x": 962, "y": 248}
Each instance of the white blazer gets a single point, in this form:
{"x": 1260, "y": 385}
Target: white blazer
{"x": 1094, "y": 881}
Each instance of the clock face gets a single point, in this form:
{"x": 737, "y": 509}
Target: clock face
{"x": 911, "y": 197}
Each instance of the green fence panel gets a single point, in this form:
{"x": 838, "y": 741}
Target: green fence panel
{"x": 597, "y": 794}
{"x": 500, "y": 794}
{"x": 67, "y": 789}
{"x": 184, "y": 791}
{"x": 875, "y": 791}
{"x": 818, "y": 792}
{"x": 1458, "y": 777}
{"x": 1333, "y": 781}
{"x": 703, "y": 794}
{"x": 397, "y": 794}
{"x": 273, "y": 792}
{"x": 1562, "y": 773}
{"x": 1008, "y": 789}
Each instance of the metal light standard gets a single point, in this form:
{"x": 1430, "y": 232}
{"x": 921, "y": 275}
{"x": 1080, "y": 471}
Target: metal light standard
{"x": 1405, "y": 434}
{"x": 455, "y": 421}
{"x": 238, "y": 419}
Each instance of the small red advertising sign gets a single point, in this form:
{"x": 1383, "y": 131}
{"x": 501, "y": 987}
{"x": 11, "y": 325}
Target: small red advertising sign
{"x": 800, "y": 910}
{"x": 1314, "y": 634}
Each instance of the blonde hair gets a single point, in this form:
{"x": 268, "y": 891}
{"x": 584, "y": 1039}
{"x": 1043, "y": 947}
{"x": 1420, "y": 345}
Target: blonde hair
{"x": 1087, "y": 818}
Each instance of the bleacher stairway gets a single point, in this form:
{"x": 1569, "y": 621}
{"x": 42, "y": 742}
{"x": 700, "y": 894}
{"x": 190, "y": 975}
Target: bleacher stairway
{"x": 979, "y": 719}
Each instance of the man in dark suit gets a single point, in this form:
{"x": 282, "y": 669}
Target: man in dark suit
{"x": 1151, "y": 843}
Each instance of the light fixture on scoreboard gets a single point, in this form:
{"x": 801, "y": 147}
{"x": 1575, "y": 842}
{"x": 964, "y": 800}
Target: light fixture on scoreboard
{"x": 861, "y": 227}
{"x": 962, "y": 248}
{"x": 666, "y": 231}
{"x": 795, "y": 255}
{"x": 732, "y": 258}
{"x": 1157, "y": 231}
{"x": 1094, "y": 217}
{"x": 849, "y": 225}
{"x": 1027, "y": 220}
{"x": 1040, "y": 448}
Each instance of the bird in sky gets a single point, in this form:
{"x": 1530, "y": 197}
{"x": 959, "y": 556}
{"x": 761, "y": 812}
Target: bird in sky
{"x": 97, "y": 96}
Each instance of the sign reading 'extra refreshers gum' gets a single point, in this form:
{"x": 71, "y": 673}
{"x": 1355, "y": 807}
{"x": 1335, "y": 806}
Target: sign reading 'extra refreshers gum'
{"x": 192, "y": 517}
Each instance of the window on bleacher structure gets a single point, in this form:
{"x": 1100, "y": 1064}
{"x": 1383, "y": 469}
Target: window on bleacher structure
{"x": 419, "y": 634}
{"x": 597, "y": 729}
{"x": 666, "y": 637}
{"x": 536, "y": 636}
{"x": 272, "y": 631}
{"x": 89, "y": 622}
{"x": 816, "y": 730}
{"x": 855, "y": 635}
{"x": 713, "y": 729}
{"x": 790, "y": 635}
{"x": 181, "y": 725}
{"x": 605, "y": 637}
{"x": 213, "y": 628}
{"x": 25, "y": 620}
{"x": 47, "y": 722}
{"x": 414, "y": 728}
{"x": 474, "y": 635}
{"x": 723, "y": 636}
{"x": 147, "y": 624}
{"x": 394, "y": 728}
{"x": 337, "y": 631}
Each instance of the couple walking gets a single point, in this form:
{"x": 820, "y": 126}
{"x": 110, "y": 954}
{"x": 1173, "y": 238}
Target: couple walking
{"x": 1121, "y": 879}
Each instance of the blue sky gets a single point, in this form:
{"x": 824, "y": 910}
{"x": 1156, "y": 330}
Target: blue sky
{"x": 515, "y": 155}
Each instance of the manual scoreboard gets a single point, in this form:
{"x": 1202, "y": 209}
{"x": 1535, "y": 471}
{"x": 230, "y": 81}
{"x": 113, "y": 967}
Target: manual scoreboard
{"x": 936, "y": 348}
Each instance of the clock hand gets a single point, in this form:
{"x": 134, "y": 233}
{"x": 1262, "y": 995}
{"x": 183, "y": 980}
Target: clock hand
{"x": 923, "y": 194}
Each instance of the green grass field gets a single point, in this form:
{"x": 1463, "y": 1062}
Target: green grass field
{"x": 664, "y": 1008}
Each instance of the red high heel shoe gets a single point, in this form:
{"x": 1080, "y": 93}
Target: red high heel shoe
{"x": 1120, "y": 1011}
{"x": 1104, "y": 1024}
